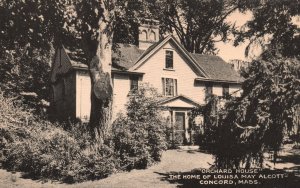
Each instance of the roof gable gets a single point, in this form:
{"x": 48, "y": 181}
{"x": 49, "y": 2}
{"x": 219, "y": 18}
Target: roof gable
{"x": 179, "y": 102}
{"x": 128, "y": 58}
{"x": 61, "y": 65}
{"x": 157, "y": 46}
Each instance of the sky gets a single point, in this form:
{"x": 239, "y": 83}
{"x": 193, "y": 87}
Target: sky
{"x": 226, "y": 50}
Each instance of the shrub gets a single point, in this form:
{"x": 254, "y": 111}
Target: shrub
{"x": 139, "y": 137}
{"x": 174, "y": 138}
{"x": 45, "y": 150}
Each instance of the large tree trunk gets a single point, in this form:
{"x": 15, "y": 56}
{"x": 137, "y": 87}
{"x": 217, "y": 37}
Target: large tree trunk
{"x": 102, "y": 90}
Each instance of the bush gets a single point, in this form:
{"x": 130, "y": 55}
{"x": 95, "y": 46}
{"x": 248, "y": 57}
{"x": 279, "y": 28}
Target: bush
{"x": 45, "y": 150}
{"x": 174, "y": 138}
{"x": 139, "y": 137}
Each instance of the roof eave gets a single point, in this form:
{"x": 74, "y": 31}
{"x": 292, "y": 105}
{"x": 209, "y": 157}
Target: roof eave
{"x": 191, "y": 58}
{"x": 165, "y": 101}
{"x": 140, "y": 61}
{"x": 218, "y": 81}
{"x": 127, "y": 72}
{"x": 170, "y": 37}
{"x": 85, "y": 68}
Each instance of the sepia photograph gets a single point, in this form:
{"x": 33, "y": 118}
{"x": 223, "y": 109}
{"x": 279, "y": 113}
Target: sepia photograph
{"x": 149, "y": 93}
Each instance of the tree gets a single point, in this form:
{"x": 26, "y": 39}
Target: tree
{"x": 260, "y": 119}
{"x": 95, "y": 23}
{"x": 35, "y": 26}
{"x": 272, "y": 27}
{"x": 27, "y": 33}
{"x": 198, "y": 24}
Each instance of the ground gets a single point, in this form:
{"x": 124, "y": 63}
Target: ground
{"x": 172, "y": 161}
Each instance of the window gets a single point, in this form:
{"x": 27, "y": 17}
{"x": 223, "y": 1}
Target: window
{"x": 134, "y": 82}
{"x": 169, "y": 86}
{"x": 225, "y": 90}
{"x": 169, "y": 59}
{"x": 152, "y": 36}
{"x": 143, "y": 36}
{"x": 209, "y": 87}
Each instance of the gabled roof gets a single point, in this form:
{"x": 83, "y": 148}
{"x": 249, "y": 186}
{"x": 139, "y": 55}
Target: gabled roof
{"x": 125, "y": 55}
{"x": 217, "y": 68}
{"x": 179, "y": 101}
{"x": 128, "y": 58}
{"x": 155, "y": 47}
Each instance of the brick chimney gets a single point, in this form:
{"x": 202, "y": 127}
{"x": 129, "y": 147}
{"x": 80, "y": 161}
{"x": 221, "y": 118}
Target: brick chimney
{"x": 148, "y": 33}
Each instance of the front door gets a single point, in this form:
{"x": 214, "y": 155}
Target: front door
{"x": 180, "y": 127}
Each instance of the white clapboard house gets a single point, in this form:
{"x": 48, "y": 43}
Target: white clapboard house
{"x": 184, "y": 78}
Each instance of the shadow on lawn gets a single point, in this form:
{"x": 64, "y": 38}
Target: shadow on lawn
{"x": 289, "y": 159}
{"x": 291, "y": 179}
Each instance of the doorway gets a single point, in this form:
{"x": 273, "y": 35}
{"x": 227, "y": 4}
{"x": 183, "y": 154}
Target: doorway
{"x": 180, "y": 127}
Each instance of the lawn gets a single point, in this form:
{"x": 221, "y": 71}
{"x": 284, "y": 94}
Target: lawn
{"x": 173, "y": 162}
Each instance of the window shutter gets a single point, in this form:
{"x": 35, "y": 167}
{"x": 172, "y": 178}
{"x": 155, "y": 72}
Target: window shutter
{"x": 175, "y": 85}
{"x": 163, "y": 86}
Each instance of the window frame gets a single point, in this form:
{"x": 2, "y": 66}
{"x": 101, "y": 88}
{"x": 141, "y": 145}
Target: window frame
{"x": 209, "y": 89}
{"x": 134, "y": 79}
{"x": 169, "y": 60}
{"x": 225, "y": 90}
{"x": 172, "y": 87}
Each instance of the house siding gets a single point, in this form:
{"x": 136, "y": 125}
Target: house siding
{"x": 154, "y": 68}
{"x": 121, "y": 91}
{"x": 64, "y": 97}
{"x": 217, "y": 89}
{"x": 83, "y": 92}
{"x": 83, "y": 95}
{"x": 235, "y": 90}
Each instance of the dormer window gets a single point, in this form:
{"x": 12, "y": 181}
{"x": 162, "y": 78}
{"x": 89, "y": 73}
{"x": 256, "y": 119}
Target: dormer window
{"x": 169, "y": 59}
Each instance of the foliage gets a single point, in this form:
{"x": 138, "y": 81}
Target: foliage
{"x": 20, "y": 74}
{"x": 84, "y": 19}
{"x": 27, "y": 32}
{"x": 259, "y": 120}
{"x": 44, "y": 150}
{"x": 174, "y": 138}
{"x": 211, "y": 112}
{"x": 198, "y": 24}
{"x": 272, "y": 27}
{"x": 263, "y": 116}
{"x": 31, "y": 24}
{"x": 139, "y": 137}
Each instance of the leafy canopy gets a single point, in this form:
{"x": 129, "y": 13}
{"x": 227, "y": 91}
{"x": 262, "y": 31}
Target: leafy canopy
{"x": 272, "y": 27}
{"x": 198, "y": 24}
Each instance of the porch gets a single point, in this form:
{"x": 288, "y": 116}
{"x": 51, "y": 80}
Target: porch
{"x": 181, "y": 127}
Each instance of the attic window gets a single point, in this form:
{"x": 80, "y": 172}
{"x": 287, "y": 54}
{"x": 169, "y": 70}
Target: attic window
{"x": 169, "y": 59}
